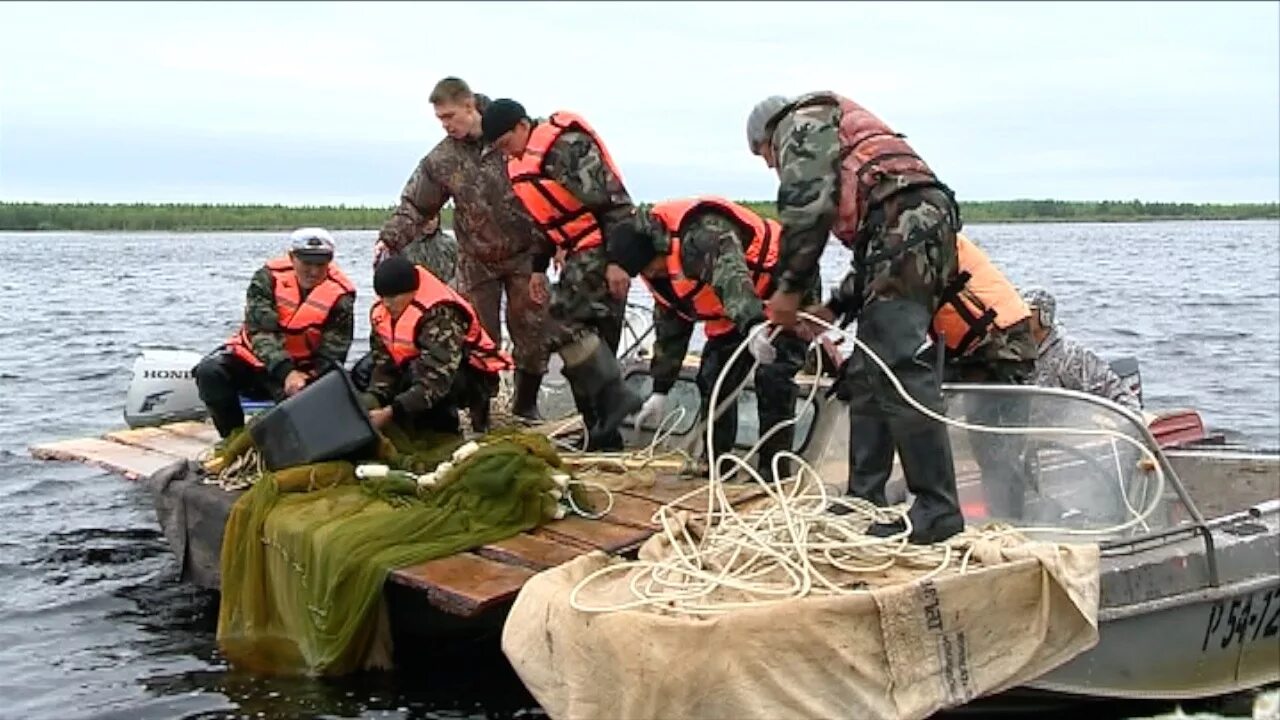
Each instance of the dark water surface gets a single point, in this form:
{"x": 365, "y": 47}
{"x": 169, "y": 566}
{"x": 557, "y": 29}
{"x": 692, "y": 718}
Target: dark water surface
{"x": 92, "y": 621}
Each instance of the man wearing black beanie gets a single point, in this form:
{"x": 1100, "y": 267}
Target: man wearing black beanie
{"x": 430, "y": 352}
{"x": 494, "y": 233}
{"x": 568, "y": 183}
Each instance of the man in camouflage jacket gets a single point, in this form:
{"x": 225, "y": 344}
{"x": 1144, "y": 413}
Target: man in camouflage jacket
{"x": 712, "y": 251}
{"x": 495, "y": 236}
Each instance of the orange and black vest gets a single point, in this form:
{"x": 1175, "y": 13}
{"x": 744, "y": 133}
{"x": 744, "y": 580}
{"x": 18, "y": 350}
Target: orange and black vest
{"x": 978, "y": 299}
{"x": 694, "y": 299}
{"x": 399, "y": 336}
{"x": 301, "y": 319}
{"x": 555, "y": 210}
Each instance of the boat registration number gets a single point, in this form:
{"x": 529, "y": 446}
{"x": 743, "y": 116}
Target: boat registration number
{"x": 1242, "y": 619}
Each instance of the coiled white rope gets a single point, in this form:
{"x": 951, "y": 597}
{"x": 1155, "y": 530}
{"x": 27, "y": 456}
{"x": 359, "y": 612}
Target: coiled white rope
{"x": 792, "y": 546}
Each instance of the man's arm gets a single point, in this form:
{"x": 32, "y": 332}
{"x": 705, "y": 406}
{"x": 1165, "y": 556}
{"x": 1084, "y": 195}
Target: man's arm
{"x": 711, "y": 250}
{"x": 577, "y": 162}
{"x": 441, "y": 332}
{"x": 671, "y": 342}
{"x": 1097, "y": 378}
{"x": 335, "y": 339}
{"x": 262, "y": 324}
{"x": 383, "y": 376}
{"x": 808, "y": 191}
{"x": 421, "y": 198}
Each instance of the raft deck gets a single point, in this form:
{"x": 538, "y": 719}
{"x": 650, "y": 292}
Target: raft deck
{"x": 465, "y": 585}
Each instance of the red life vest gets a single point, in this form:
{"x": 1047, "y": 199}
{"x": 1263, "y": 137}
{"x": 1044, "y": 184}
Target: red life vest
{"x": 301, "y": 319}
{"x": 555, "y": 210}
{"x": 694, "y": 299}
{"x": 978, "y": 299}
{"x": 400, "y": 335}
{"x": 875, "y": 162}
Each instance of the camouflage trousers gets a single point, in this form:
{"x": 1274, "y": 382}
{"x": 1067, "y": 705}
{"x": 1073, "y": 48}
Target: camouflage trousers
{"x": 581, "y": 304}
{"x": 483, "y": 285}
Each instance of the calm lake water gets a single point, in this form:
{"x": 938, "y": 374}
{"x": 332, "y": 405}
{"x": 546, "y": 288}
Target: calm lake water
{"x": 92, "y": 621}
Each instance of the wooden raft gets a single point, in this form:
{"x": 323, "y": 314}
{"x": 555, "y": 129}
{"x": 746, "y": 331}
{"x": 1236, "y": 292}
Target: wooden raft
{"x": 467, "y": 584}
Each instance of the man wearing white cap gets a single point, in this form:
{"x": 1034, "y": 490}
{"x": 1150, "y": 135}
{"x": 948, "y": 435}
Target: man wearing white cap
{"x": 298, "y": 324}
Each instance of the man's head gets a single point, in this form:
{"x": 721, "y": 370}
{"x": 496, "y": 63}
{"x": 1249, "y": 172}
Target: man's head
{"x": 431, "y": 225}
{"x": 1043, "y": 311}
{"x": 455, "y": 108}
{"x": 395, "y": 281}
{"x": 506, "y": 126}
{"x": 639, "y": 246}
{"x": 311, "y": 251}
{"x": 760, "y": 124}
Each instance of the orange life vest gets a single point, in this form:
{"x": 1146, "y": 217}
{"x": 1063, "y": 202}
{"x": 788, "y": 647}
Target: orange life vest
{"x": 979, "y": 298}
{"x": 555, "y": 210}
{"x": 301, "y": 319}
{"x": 694, "y": 299}
{"x": 400, "y": 335}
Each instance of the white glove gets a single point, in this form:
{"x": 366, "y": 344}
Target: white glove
{"x": 655, "y": 406}
{"x": 761, "y": 347}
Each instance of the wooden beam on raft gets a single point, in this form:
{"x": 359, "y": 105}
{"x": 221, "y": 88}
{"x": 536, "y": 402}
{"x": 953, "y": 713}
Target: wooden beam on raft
{"x": 161, "y": 440}
{"x": 132, "y": 462}
{"x": 203, "y": 432}
{"x": 464, "y": 584}
{"x": 534, "y": 552}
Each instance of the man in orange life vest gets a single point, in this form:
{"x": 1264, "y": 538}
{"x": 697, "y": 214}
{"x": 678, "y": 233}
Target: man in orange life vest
{"x": 564, "y": 177}
{"x": 298, "y": 324}
{"x": 430, "y": 352}
{"x": 710, "y": 260}
{"x": 843, "y": 171}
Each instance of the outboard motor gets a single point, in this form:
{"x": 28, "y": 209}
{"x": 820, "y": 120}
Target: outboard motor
{"x": 163, "y": 389}
{"x": 1127, "y": 369}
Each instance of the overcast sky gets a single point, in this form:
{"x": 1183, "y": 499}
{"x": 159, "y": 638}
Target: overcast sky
{"x": 327, "y": 103}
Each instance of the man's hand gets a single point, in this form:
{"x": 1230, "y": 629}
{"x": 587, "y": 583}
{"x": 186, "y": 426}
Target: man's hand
{"x": 538, "y": 291}
{"x": 655, "y": 407}
{"x": 293, "y": 382}
{"x": 782, "y": 309}
{"x": 808, "y": 329}
{"x": 380, "y": 417}
{"x": 619, "y": 281}
{"x": 557, "y": 260}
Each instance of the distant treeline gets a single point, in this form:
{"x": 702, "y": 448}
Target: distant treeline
{"x": 179, "y": 218}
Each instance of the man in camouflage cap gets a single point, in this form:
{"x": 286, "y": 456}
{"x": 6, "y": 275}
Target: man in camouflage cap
{"x": 843, "y": 171}
{"x": 563, "y": 175}
{"x": 1065, "y": 363}
{"x": 298, "y": 324}
{"x": 710, "y": 260}
{"x": 494, "y": 234}
{"x": 433, "y": 249}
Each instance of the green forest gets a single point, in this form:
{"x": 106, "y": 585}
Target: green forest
{"x": 180, "y": 218}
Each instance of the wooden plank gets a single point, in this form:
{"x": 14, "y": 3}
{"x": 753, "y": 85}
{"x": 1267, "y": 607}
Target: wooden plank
{"x": 179, "y": 446}
{"x": 132, "y": 462}
{"x": 198, "y": 430}
{"x": 627, "y": 510}
{"x": 597, "y": 534}
{"x": 665, "y": 491}
{"x": 464, "y": 584}
{"x": 536, "y": 552}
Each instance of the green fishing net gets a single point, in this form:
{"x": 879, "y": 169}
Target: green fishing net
{"x": 307, "y": 549}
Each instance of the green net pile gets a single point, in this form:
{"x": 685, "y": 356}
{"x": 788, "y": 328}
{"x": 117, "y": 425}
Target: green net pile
{"x": 307, "y": 549}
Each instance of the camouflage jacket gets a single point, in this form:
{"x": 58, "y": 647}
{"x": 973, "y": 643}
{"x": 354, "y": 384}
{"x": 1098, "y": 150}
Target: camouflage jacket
{"x": 711, "y": 250}
{"x": 262, "y": 323}
{"x": 575, "y": 161}
{"x": 807, "y": 145}
{"x": 489, "y": 222}
{"x": 1065, "y": 363}
{"x": 440, "y": 336}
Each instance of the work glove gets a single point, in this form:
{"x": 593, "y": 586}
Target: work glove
{"x": 761, "y": 347}
{"x": 655, "y": 407}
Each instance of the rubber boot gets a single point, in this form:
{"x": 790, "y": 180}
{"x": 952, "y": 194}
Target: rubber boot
{"x": 479, "y": 412}
{"x": 524, "y": 406}
{"x": 897, "y": 330}
{"x": 599, "y": 381}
